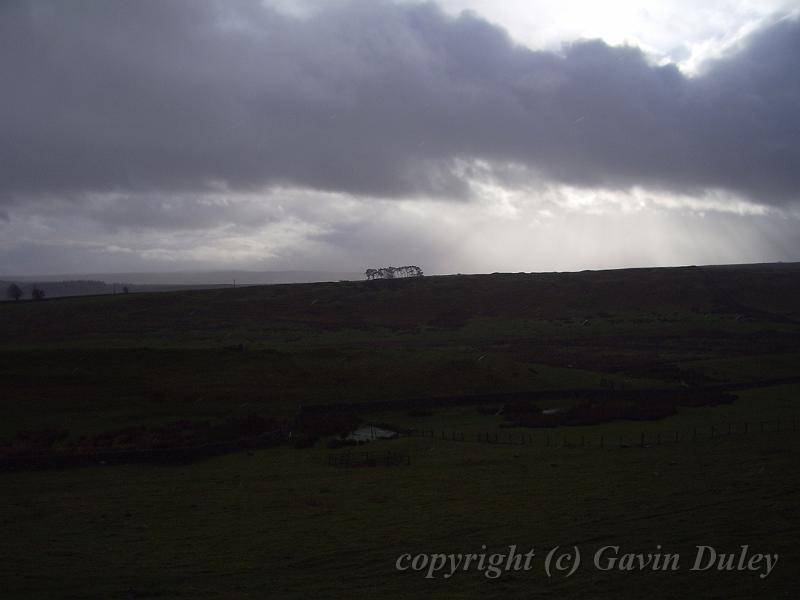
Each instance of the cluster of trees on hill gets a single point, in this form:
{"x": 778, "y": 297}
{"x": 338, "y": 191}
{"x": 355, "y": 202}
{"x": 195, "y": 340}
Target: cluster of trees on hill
{"x": 393, "y": 272}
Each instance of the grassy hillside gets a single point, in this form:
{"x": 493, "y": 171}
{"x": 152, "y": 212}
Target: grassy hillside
{"x": 282, "y": 523}
{"x": 621, "y": 300}
{"x": 106, "y": 361}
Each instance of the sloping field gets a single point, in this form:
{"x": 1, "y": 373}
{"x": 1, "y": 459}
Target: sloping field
{"x": 283, "y": 523}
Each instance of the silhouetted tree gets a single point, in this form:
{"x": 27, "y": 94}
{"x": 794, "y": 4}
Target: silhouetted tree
{"x": 125, "y": 289}
{"x": 14, "y": 292}
{"x": 36, "y": 293}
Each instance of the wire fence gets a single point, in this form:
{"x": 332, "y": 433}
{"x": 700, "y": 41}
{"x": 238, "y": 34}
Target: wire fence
{"x": 553, "y": 438}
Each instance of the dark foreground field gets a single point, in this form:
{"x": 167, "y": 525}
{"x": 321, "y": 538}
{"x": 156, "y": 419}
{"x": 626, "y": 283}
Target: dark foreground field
{"x": 142, "y": 373}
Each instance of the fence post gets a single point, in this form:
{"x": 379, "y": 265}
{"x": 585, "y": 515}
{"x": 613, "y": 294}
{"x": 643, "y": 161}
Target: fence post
{"x": 602, "y": 441}
{"x": 658, "y": 439}
{"x": 642, "y": 443}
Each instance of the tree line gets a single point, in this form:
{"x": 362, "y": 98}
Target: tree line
{"x": 14, "y": 292}
{"x": 393, "y": 272}
{"x": 37, "y": 291}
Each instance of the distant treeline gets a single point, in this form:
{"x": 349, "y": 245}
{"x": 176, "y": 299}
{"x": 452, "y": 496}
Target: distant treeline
{"x": 90, "y": 287}
{"x": 66, "y": 288}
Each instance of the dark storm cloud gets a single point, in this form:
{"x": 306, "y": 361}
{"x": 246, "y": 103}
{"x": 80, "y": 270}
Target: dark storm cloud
{"x": 371, "y": 98}
{"x": 176, "y": 211}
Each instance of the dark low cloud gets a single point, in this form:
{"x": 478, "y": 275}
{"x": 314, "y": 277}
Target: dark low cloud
{"x": 372, "y": 98}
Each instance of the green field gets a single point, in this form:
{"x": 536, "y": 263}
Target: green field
{"x": 282, "y": 523}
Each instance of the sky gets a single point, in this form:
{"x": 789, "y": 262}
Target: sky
{"x": 460, "y": 135}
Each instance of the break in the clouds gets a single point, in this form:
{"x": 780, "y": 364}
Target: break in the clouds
{"x": 229, "y": 121}
{"x": 390, "y": 100}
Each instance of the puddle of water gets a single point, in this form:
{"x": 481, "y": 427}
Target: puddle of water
{"x": 369, "y": 433}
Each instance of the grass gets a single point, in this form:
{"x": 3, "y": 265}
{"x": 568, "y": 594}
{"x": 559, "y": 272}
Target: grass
{"x": 281, "y": 523}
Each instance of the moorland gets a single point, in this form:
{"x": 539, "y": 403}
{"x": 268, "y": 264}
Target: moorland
{"x": 675, "y": 390}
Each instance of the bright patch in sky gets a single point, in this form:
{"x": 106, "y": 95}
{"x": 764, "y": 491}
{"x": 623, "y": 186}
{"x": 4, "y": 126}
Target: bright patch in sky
{"x": 685, "y": 32}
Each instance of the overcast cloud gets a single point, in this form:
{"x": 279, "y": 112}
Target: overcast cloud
{"x": 148, "y": 117}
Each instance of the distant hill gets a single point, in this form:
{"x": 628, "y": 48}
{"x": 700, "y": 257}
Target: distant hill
{"x": 763, "y": 292}
{"x": 110, "y": 283}
{"x": 93, "y": 287}
{"x": 54, "y": 289}
{"x": 197, "y": 277}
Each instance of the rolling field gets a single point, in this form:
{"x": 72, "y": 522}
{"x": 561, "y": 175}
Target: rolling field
{"x": 282, "y": 523}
